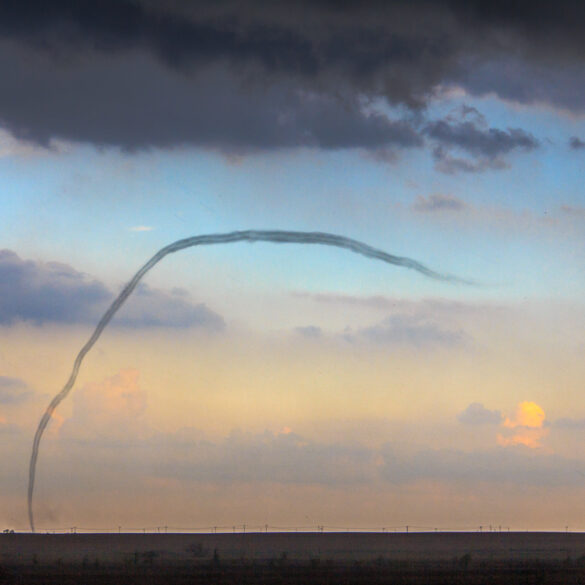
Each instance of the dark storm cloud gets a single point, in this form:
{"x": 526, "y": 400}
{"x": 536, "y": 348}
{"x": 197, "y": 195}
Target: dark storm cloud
{"x": 490, "y": 142}
{"x": 133, "y": 101}
{"x": 536, "y": 80}
{"x": 177, "y": 36}
{"x": 52, "y": 292}
{"x": 264, "y": 75}
{"x": 13, "y": 390}
{"x": 482, "y": 147}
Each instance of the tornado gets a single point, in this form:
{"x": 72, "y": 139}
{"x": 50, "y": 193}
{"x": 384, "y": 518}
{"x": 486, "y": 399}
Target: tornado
{"x": 251, "y": 236}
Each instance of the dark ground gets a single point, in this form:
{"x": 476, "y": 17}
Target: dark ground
{"x": 291, "y": 559}
{"x": 303, "y": 573}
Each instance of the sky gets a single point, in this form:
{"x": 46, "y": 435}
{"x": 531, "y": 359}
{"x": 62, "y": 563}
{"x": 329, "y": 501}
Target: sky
{"x": 290, "y": 385}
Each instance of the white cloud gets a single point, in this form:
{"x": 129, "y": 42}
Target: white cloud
{"x": 141, "y": 228}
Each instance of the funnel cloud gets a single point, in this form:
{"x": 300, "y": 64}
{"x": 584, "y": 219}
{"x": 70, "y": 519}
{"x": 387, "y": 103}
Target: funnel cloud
{"x": 251, "y": 236}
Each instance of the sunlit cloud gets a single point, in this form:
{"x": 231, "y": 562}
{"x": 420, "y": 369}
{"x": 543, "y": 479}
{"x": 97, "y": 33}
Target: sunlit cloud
{"x": 528, "y": 414}
{"x": 54, "y": 428}
{"x": 526, "y": 427}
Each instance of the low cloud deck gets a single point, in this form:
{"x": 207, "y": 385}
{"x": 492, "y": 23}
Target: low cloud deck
{"x": 46, "y": 548}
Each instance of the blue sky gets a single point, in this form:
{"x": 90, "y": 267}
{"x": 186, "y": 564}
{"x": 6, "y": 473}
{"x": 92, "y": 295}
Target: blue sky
{"x": 99, "y": 197}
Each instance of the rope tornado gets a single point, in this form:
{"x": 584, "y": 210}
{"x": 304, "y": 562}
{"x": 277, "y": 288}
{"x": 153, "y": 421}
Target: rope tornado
{"x": 274, "y": 236}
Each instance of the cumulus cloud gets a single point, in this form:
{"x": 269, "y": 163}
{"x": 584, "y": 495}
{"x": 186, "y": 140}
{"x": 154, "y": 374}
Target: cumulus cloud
{"x": 13, "y": 390}
{"x": 45, "y": 292}
{"x": 257, "y": 76}
{"x": 528, "y": 414}
{"x": 52, "y": 292}
{"x": 525, "y": 426}
{"x": 477, "y": 414}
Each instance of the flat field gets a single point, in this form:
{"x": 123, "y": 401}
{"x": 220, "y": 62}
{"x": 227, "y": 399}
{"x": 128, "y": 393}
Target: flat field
{"x": 258, "y": 558}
